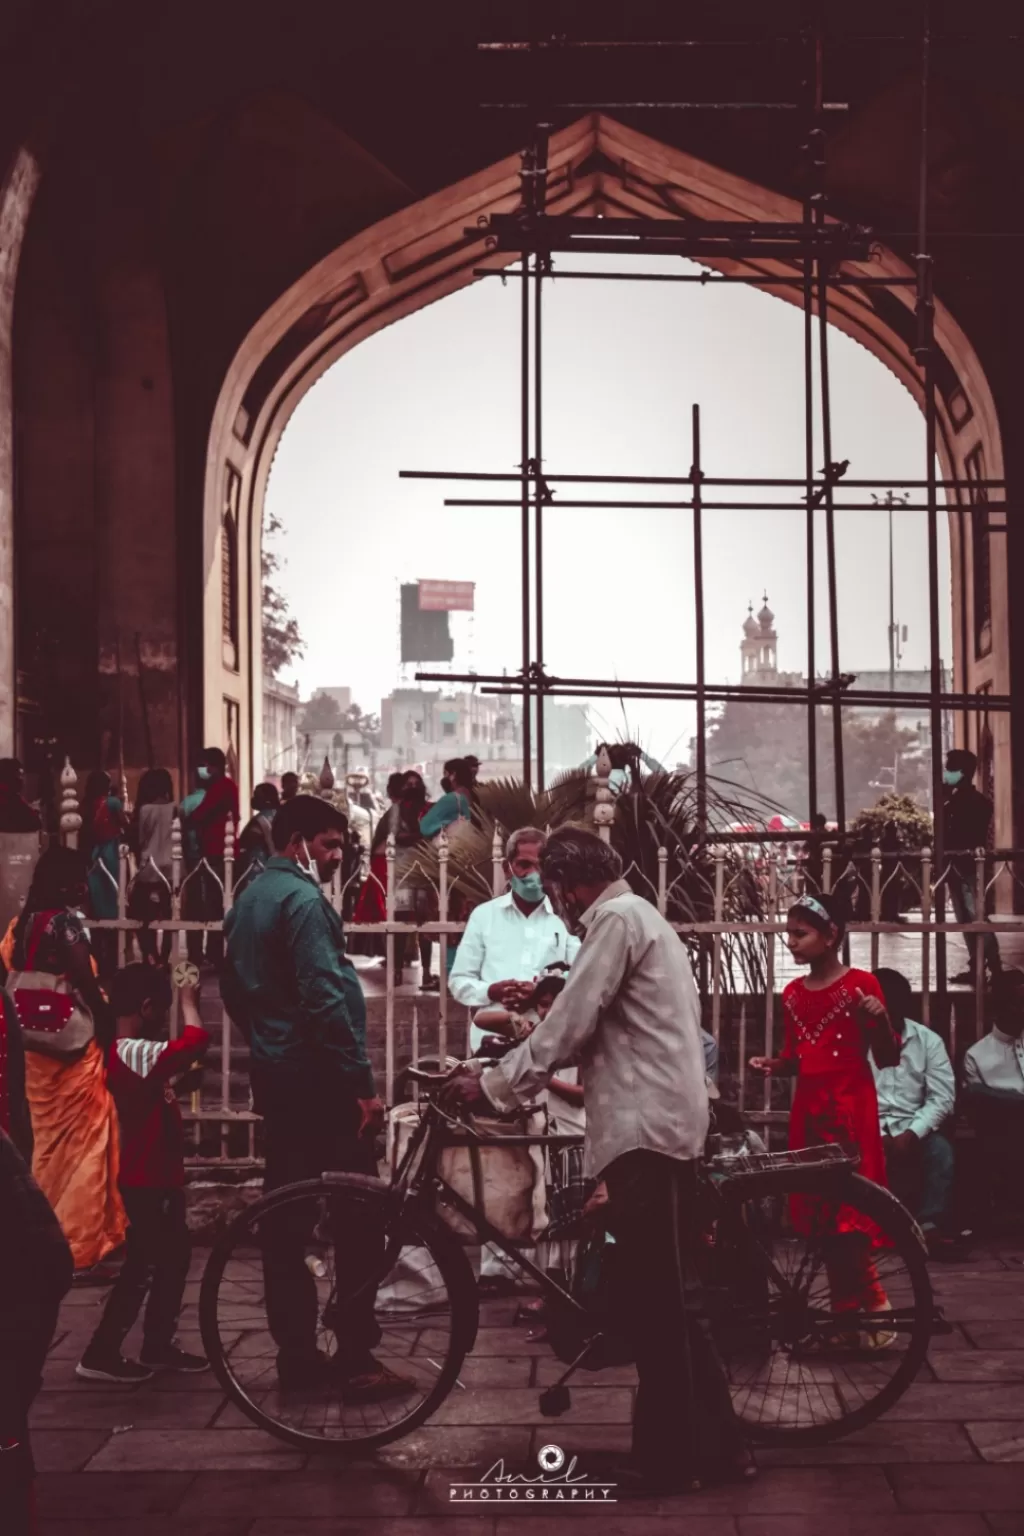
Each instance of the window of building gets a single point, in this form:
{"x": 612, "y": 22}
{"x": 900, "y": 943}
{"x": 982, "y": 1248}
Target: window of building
{"x": 981, "y": 555}
{"x": 229, "y": 570}
{"x": 448, "y": 728}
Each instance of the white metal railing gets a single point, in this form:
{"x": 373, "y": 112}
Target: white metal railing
{"x": 734, "y": 899}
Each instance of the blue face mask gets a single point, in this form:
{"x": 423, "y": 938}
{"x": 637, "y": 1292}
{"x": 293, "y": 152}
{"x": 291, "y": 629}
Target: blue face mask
{"x": 203, "y": 775}
{"x": 529, "y": 887}
{"x": 951, "y": 776}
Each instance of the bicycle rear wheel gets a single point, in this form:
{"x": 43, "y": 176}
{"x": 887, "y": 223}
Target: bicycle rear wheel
{"x": 820, "y": 1332}
{"x": 417, "y": 1295}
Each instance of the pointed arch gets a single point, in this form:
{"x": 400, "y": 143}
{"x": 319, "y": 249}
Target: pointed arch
{"x": 423, "y": 253}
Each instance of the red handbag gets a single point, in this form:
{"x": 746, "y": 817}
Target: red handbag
{"x": 52, "y": 1016}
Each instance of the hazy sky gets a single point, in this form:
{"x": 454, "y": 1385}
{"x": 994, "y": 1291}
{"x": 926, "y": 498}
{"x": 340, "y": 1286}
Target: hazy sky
{"x": 623, "y": 364}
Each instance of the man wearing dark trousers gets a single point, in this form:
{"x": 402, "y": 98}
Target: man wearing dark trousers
{"x": 291, "y": 989}
{"x": 966, "y": 823}
{"x": 629, "y": 1015}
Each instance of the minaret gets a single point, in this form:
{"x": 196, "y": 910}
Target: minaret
{"x": 759, "y": 647}
{"x": 749, "y": 646}
{"x": 768, "y": 641}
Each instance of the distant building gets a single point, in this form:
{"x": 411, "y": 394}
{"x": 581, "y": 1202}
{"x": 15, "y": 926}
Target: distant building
{"x": 425, "y": 727}
{"x": 280, "y": 727}
{"x": 759, "y": 669}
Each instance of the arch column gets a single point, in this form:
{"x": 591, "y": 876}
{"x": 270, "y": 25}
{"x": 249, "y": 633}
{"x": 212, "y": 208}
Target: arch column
{"x": 17, "y": 194}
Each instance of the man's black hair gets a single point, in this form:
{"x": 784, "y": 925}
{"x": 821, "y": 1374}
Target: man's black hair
{"x": 897, "y": 988}
{"x": 576, "y": 856}
{"x": 966, "y": 762}
{"x": 137, "y": 985}
{"x": 213, "y": 757}
{"x": 396, "y": 783}
{"x": 288, "y": 777}
{"x": 306, "y": 816}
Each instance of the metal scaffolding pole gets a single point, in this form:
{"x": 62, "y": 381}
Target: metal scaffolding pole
{"x": 698, "y": 605}
{"x": 538, "y": 515}
{"x": 808, "y": 298}
{"x": 524, "y": 502}
{"x": 926, "y": 359}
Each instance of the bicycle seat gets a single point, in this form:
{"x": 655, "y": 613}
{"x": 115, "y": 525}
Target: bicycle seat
{"x": 426, "y": 1079}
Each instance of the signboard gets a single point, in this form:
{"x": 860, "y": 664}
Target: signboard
{"x": 446, "y": 596}
{"x": 425, "y": 634}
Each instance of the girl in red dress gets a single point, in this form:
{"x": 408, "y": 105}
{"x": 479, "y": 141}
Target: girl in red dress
{"x": 833, "y": 1018}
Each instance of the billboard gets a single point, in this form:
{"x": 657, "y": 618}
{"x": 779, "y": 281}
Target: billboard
{"x": 425, "y": 632}
{"x": 446, "y": 596}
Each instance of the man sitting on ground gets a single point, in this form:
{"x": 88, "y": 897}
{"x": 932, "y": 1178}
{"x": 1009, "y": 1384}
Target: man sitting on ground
{"x": 994, "y": 1092}
{"x": 915, "y": 1098}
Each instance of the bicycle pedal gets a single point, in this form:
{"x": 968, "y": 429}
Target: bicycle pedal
{"x": 555, "y": 1401}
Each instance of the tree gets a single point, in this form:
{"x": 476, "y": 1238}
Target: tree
{"x": 282, "y": 640}
{"x": 322, "y": 713}
{"x": 764, "y": 747}
{"x": 367, "y": 725}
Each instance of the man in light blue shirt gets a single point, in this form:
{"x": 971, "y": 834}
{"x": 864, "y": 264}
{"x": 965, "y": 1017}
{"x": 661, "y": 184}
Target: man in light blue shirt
{"x": 914, "y": 1099}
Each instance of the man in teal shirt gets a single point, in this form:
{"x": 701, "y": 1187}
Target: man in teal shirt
{"x": 291, "y": 989}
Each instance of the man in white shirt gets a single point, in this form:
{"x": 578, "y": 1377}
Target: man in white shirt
{"x": 914, "y": 1099}
{"x": 630, "y": 1016}
{"x": 511, "y": 940}
{"x": 994, "y": 1093}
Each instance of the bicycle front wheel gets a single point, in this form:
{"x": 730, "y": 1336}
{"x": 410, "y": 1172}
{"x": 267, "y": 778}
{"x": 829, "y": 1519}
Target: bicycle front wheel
{"x": 317, "y": 1275}
{"x": 820, "y": 1330}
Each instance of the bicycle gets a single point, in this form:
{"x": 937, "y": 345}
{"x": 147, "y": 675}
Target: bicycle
{"x": 802, "y": 1370}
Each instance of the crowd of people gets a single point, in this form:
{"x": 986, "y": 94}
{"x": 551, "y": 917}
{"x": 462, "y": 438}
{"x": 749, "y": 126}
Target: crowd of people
{"x": 582, "y": 1000}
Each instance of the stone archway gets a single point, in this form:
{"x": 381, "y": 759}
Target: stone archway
{"x": 17, "y": 194}
{"x": 422, "y": 253}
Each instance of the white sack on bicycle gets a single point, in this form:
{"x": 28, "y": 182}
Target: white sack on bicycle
{"x": 505, "y": 1184}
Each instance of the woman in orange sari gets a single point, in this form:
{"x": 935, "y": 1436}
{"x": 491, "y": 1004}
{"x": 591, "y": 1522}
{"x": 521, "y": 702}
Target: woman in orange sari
{"x": 74, "y": 1122}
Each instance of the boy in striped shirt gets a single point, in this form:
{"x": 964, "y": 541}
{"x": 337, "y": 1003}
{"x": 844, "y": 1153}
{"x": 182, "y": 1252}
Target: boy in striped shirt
{"x": 141, "y": 1069}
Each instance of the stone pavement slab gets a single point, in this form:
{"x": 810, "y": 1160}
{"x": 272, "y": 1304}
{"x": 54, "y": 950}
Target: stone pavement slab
{"x": 866, "y": 1525}
{"x": 945, "y": 1489}
{"x": 318, "y": 1494}
{"x": 998, "y": 1442}
{"x": 980, "y": 1365}
{"x": 948, "y": 1460}
{"x": 880, "y": 1444}
{"x": 153, "y": 1450}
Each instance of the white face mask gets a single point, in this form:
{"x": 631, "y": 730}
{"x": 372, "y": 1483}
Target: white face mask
{"x": 309, "y": 867}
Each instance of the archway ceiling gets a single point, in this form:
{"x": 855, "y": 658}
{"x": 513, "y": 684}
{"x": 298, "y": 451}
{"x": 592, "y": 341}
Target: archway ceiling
{"x": 423, "y": 253}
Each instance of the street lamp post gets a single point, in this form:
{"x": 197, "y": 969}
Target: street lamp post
{"x": 889, "y": 501}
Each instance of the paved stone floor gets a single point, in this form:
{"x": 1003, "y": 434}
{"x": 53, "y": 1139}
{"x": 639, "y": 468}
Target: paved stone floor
{"x": 173, "y": 1458}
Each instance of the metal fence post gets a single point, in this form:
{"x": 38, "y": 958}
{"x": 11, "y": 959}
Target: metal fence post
{"x": 826, "y": 871}
{"x": 769, "y": 978}
{"x": 663, "y": 881}
{"x": 443, "y": 852}
{"x": 876, "y": 900}
{"x": 229, "y": 863}
{"x": 604, "y": 805}
{"x": 716, "y": 964}
{"x": 70, "y": 817}
{"x": 497, "y": 863}
{"x": 926, "y": 938}
{"x": 122, "y": 904}
{"x": 389, "y": 987}
{"x": 976, "y": 948}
